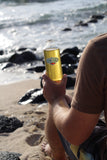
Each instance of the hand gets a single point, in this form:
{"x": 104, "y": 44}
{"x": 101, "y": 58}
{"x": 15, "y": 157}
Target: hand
{"x": 53, "y": 91}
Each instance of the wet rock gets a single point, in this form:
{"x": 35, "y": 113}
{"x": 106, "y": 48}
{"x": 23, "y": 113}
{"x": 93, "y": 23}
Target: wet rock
{"x": 93, "y": 20}
{"x": 22, "y": 49}
{"x": 38, "y": 68}
{"x": 25, "y": 56}
{"x": 9, "y": 155}
{"x": 75, "y": 51}
{"x": 68, "y": 59}
{"x": 74, "y": 65}
{"x": 81, "y": 23}
{"x": 7, "y": 65}
{"x": 9, "y": 124}
{"x": 33, "y": 96}
{"x": 70, "y": 82}
{"x": 1, "y": 52}
{"x": 67, "y": 29}
{"x": 98, "y": 16}
{"x": 67, "y": 69}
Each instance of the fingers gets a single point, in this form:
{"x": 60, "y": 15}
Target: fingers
{"x": 53, "y": 90}
{"x": 48, "y": 80}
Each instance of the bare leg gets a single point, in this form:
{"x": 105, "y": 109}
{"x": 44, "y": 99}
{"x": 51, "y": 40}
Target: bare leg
{"x": 55, "y": 145}
{"x": 55, "y": 148}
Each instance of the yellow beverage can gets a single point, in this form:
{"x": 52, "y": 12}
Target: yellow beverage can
{"x": 53, "y": 64}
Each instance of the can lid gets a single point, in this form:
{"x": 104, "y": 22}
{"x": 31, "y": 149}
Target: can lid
{"x": 51, "y": 49}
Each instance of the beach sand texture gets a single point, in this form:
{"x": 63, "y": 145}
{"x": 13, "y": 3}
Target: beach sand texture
{"x": 25, "y": 140}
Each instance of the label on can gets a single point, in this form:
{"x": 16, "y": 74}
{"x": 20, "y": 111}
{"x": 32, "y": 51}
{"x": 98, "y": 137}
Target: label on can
{"x": 52, "y": 60}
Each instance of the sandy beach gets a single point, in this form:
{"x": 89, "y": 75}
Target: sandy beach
{"x": 27, "y": 139}
{"x": 27, "y": 28}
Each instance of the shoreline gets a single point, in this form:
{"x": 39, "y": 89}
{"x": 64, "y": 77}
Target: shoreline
{"x": 8, "y": 78}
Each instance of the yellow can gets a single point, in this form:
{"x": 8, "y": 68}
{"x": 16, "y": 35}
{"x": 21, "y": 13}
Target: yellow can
{"x": 53, "y": 64}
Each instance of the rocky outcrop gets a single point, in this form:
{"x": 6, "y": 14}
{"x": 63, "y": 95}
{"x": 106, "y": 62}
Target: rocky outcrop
{"x": 37, "y": 68}
{"x": 8, "y": 125}
{"x": 33, "y": 96}
{"x": 92, "y": 19}
{"x": 25, "y": 56}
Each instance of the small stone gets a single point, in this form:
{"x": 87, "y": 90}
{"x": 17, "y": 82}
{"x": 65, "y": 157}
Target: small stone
{"x": 9, "y": 156}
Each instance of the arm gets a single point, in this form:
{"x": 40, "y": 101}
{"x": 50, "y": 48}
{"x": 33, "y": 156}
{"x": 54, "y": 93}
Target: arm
{"x": 74, "y": 125}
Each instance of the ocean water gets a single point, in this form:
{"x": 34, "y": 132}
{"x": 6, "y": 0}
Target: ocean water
{"x": 40, "y": 24}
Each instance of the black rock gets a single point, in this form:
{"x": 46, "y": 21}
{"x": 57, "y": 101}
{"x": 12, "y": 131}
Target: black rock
{"x": 69, "y": 55}
{"x": 68, "y": 58}
{"x": 25, "y": 56}
{"x": 4, "y": 155}
{"x": 33, "y": 96}
{"x": 70, "y": 82}
{"x": 22, "y": 49}
{"x": 67, "y": 69}
{"x": 75, "y": 51}
{"x": 93, "y": 20}
{"x": 7, "y": 65}
{"x": 9, "y": 124}
{"x": 67, "y": 29}
{"x": 98, "y": 16}
{"x": 38, "y": 68}
{"x": 1, "y": 52}
{"x": 81, "y": 23}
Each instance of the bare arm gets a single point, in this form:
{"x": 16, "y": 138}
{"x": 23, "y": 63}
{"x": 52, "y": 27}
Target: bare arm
{"x": 75, "y": 126}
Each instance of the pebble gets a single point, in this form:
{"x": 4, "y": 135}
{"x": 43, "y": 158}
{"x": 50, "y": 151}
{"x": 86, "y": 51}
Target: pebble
{"x": 9, "y": 155}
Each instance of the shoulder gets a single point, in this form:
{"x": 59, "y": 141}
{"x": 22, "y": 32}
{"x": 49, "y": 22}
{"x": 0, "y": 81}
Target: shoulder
{"x": 96, "y": 48}
{"x": 99, "y": 42}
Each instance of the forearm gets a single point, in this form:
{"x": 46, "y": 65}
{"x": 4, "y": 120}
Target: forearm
{"x": 75, "y": 126}
{"x": 60, "y": 113}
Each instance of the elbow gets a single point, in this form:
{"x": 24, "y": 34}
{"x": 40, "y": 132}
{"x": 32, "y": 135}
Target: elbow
{"x": 74, "y": 137}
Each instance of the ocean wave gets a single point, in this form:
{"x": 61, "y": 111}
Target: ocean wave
{"x": 25, "y": 1}
{"x": 4, "y": 58}
{"x": 100, "y": 7}
{"x": 44, "y": 19}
